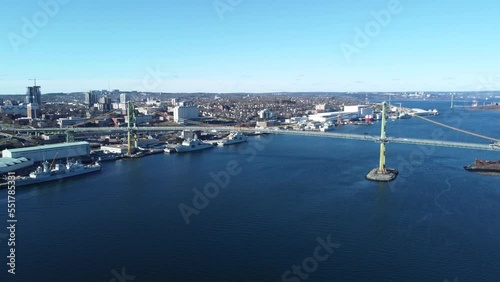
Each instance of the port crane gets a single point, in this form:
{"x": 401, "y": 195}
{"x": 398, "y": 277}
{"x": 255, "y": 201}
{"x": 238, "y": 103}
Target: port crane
{"x": 53, "y": 160}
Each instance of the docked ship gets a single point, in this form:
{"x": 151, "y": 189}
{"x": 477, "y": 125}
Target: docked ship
{"x": 168, "y": 150}
{"x": 404, "y": 116}
{"x": 399, "y": 115}
{"x": 190, "y": 145}
{"x": 44, "y": 173}
{"x": 484, "y": 166}
{"x": 109, "y": 157}
{"x": 326, "y": 127}
{"x": 233, "y": 138}
{"x": 105, "y": 157}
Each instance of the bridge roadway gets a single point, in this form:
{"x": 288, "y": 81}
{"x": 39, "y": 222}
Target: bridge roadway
{"x": 424, "y": 142}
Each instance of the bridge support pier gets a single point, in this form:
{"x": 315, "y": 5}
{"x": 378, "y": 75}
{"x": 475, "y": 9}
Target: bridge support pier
{"x": 382, "y": 173}
{"x": 388, "y": 175}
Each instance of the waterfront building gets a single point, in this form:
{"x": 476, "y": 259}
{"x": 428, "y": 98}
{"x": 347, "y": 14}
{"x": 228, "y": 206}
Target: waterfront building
{"x": 362, "y": 110}
{"x": 12, "y": 164}
{"x": 115, "y": 149}
{"x": 265, "y": 124}
{"x": 48, "y": 152}
{"x": 325, "y": 117}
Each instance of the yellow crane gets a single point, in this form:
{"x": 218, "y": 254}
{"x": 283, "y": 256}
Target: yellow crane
{"x": 53, "y": 160}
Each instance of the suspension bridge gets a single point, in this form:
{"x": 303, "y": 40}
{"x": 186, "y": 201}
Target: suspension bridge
{"x": 381, "y": 173}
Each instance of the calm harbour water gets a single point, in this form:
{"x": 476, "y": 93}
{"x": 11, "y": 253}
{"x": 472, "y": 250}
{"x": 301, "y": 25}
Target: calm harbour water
{"x": 435, "y": 222}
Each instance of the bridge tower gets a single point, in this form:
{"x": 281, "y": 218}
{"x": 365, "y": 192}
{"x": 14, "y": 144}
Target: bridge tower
{"x": 70, "y": 136}
{"x": 131, "y": 133}
{"x": 382, "y": 173}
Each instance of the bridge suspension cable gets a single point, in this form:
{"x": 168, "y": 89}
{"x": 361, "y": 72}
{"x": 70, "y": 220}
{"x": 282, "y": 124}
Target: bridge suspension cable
{"x": 458, "y": 129}
{"x": 448, "y": 126}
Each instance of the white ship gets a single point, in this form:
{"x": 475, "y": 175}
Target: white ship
{"x": 326, "y": 127}
{"x": 233, "y": 138}
{"x": 190, "y": 145}
{"x": 404, "y": 116}
{"x": 393, "y": 116}
{"x": 168, "y": 150}
{"x": 44, "y": 173}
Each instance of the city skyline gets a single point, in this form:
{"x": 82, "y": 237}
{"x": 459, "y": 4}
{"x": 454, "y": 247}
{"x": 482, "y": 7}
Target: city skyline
{"x": 250, "y": 46}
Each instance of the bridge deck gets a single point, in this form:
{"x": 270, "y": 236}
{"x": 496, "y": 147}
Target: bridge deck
{"x": 424, "y": 142}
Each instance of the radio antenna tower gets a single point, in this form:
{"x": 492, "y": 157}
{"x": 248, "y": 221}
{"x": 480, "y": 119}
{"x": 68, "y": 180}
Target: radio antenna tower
{"x": 34, "y": 81}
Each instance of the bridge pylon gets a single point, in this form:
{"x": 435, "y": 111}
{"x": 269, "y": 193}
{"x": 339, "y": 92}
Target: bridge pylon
{"x": 131, "y": 125}
{"x": 70, "y": 136}
{"x": 382, "y": 173}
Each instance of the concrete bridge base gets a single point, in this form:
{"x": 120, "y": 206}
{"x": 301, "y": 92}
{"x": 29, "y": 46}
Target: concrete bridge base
{"x": 389, "y": 175}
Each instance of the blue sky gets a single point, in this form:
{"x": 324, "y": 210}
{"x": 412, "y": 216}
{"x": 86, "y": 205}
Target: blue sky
{"x": 250, "y": 45}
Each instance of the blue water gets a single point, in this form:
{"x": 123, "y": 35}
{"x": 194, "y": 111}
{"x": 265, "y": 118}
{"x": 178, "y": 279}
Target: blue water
{"x": 435, "y": 222}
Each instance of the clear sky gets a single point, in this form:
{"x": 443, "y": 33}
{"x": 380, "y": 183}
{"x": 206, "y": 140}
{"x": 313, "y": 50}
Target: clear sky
{"x": 250, "y": 45}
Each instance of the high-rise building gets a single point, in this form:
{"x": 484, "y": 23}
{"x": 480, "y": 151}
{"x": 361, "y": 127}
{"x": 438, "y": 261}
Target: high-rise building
{"x": 33, "y": 95}
{"x": 90, "y": 99}
{"x": 185, "y": 110}
{"x": 30, "y": 112}
{"x": 266, "y": 114}
{"x": 124, "y": 98}
{"x": 104, "y": 104}
{"x": 34, "y": 101}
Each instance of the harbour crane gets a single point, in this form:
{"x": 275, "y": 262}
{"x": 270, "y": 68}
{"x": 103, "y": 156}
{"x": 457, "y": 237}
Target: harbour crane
{"x": 53, "y": 160}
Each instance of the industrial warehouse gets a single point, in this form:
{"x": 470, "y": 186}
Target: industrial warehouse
{"x": 48, "y": 152}
{"x": 12, "y": 164}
